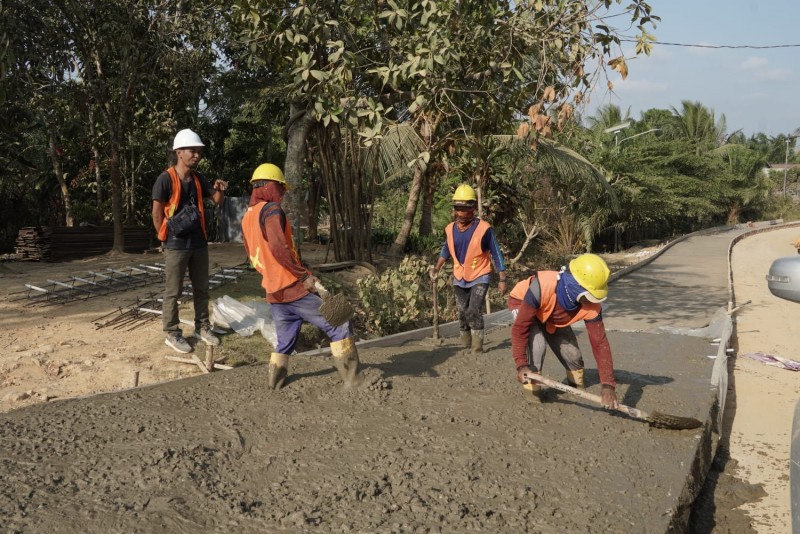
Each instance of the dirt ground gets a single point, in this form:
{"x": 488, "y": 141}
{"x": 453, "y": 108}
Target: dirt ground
{"x": 56, "y": 352}
{"x": 764, "y": 396}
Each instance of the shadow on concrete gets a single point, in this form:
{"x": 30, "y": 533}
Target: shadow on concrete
{"x": 418, "y": 363}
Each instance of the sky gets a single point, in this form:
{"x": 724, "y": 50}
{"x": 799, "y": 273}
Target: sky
{"x": 758, "y": 90}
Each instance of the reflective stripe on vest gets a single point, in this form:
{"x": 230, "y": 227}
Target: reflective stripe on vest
{"x": 547, "y": 284}
{"x": 175, "y": 200}
{"x": 274, "y": 276}
{"x": 476, "y": 262}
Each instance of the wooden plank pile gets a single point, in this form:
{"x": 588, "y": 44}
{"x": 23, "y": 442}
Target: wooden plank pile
{"x": 52, "y": 244}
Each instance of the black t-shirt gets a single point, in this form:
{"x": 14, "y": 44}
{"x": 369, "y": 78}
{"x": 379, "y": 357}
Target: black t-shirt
{"x": 162, "y": 191}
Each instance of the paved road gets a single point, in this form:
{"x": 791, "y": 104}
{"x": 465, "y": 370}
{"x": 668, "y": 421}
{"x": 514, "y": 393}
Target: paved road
{"x": 683, "y": 287}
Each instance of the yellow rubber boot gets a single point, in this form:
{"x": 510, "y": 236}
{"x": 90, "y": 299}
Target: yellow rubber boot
{"x": 278, "y": 370}
{"x": 466, "y": 339}
{"x": 534, "y": 392}
{"x": 575, "y": 379}
{"x": 345, "y": 358}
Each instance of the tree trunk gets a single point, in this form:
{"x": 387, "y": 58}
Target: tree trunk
{"x": 427, "y": 131}
{"x": 312, "y": 205}
{"x": 116, "y": 198}
{"x": 426, "y": 217}
{"x": 98, "y": 177}
{"x": 297, "y": 134}
{"x": 734, "y": 210}
{"x": 400, "y": 242}
{"x": 58, "y": 171}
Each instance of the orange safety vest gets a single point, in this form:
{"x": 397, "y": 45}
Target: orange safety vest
{"x": 175, "y": 199}
{"x": 274, "y": 276}
{"x": 547, "y": 284}
{"x": 476, "y": 262}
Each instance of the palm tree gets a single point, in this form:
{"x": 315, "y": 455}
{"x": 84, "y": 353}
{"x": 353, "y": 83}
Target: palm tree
{"x": 698, "y": 124}
{"x": 607, "y": 116}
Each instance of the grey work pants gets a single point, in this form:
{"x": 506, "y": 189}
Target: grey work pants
{"x": 177, "y": 263}
{"x": 562, "y": 342}
{"x": 470, "y": 302}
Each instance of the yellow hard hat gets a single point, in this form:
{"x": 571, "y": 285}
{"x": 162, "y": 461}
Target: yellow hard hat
{"x": 464, "y": 194}
{"x": 268, "y": 171}
{"x": 592, "y": 273}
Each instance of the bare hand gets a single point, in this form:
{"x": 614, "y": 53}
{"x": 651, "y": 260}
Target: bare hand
{"x": 433, "y": 273}
{"x": 521, "y": 375}
{"x": 220, "y": 185}
{"x": 310, "y": 282}
{"x": 608, "y": 397}
{"x": 501, "y": 287}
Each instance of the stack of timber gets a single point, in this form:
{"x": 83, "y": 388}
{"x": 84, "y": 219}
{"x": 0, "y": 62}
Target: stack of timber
{"x": 52, "y": 244}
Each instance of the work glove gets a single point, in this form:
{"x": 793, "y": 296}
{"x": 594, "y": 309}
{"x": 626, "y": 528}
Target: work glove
{"x": 521, "y": 374}
{"x": 608, "y": 397}
{"x": 432, "y": 272}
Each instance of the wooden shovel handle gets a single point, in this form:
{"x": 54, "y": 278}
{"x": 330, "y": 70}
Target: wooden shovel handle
{"x": 633, "y": 412}
{"x": 435, "y": 296}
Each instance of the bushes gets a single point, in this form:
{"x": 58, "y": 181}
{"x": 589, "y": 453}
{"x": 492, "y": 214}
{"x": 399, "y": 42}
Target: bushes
{"x": 396, "y": 300}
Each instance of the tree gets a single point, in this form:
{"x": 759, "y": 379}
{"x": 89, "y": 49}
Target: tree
{"x": 698, "y": 125}
{"x": 360, "y": 65}
{"x": 741, "y": 183}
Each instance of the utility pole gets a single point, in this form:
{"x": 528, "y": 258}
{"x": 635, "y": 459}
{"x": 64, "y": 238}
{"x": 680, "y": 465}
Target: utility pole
{"x": 786, "y": 161}
{"x": 786, "y": 166}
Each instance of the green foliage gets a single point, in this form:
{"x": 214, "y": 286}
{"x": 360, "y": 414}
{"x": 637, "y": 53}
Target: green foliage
{"x": 425, "y": 245}
{"x": 396, "y": 300}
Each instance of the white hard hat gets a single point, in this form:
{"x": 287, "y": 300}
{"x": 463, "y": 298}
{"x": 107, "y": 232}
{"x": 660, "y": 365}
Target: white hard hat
{"x": 186, "y": 138}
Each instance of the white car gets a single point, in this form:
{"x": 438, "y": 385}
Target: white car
{"x": 783, "y": 279}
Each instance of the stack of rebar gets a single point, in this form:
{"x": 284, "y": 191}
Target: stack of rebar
{"x": 89, "y": 285}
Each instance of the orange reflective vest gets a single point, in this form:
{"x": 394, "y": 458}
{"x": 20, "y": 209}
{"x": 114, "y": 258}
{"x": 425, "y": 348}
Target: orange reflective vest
{"x": 175, "y": 199}
{"x": 274, "y": 276}
{"x": 477, "y": 262}
{"x": 547, "y": 284}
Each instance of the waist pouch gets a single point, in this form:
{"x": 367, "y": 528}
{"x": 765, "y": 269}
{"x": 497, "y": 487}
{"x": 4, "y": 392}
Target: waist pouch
{"x": 185, "y": 221}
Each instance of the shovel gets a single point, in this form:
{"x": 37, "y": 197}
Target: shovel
{"x": 335, "y": 308}
{"x": 435, "y": 310}
{"x": 655, "y": 419}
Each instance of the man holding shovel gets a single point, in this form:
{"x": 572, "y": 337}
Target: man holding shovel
{"x": 545, "y": 305}
{"x": 289, "y": 285}
{"x": 471, "y": 243}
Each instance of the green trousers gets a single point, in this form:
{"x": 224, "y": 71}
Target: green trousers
{"x": 177, "y": 263}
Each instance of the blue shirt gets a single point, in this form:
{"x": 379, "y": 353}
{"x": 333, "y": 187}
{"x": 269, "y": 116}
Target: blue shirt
{"x": 461, "y": 245}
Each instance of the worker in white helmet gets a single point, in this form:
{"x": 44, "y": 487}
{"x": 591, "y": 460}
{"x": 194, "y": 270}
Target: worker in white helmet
{"x": 179, "y": 218}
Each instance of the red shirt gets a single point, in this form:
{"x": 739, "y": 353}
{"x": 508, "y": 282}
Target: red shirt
{"x": 520, "y": 333}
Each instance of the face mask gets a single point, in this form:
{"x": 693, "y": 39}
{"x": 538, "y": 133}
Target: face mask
{"x": 464, "y": 216}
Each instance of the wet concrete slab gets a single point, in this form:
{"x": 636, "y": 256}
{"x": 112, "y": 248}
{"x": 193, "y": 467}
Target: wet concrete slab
{"x": 434, "y": 440}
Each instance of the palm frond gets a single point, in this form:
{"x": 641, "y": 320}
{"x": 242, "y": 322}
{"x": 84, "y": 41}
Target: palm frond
{"x": 564, "y": 160}
{"x": 396, "y": 155}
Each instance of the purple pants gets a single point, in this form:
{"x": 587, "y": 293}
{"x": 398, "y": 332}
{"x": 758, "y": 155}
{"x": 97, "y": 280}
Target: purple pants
{"x": 289, "y": 317}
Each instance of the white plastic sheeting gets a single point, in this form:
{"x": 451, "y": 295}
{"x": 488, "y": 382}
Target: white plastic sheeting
{"x": 244, "y": 319}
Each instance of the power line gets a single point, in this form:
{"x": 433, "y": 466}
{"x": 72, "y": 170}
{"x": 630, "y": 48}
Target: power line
{"x": 754, "y": 47}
